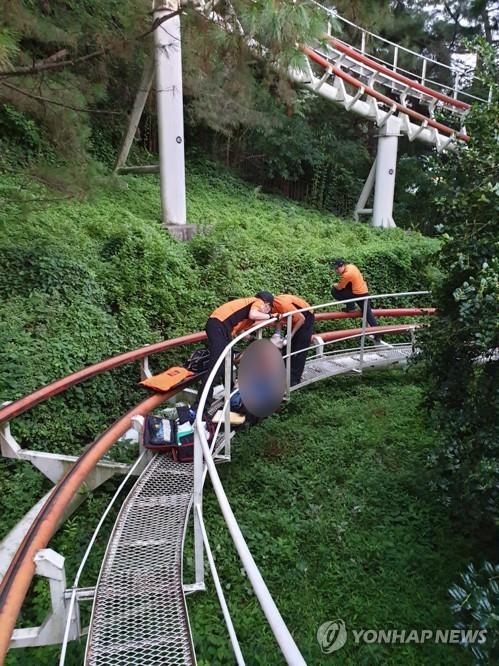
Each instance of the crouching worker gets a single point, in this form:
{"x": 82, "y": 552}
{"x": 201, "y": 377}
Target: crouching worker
{"x": 302, "y": 328}
{"x": 228, "y": 320}
{"x": 352, "y": 285}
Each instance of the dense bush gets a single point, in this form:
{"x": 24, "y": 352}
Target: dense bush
{"x": 460, "y": 349}
{"x": 83, "y": 281}
{"x": 476, "y": 606}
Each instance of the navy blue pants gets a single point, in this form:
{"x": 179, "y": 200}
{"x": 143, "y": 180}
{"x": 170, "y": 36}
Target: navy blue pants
{"x": 219, "y": 337}
{"x": 301, "y": 340}
{"x": 346, "y": 294}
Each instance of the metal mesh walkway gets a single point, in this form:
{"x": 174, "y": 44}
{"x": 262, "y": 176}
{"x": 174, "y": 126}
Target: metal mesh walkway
{"x": 337, "y": 364}
{"x": 139, "y": 615}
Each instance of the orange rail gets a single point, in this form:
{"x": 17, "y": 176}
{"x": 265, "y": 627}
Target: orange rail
{"x": 378, "y": 312}
{"x": 323, "y": 62}
{"x": 17, "y": 579}
{"x": 372, "y": 64}
{"x": 27, "y": 402}
{"x": 330, "y": 336}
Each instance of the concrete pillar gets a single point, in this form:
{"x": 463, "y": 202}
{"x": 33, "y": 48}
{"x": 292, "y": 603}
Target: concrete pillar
{"x": 169, "y": 99}
{"x": 386, "y": 167}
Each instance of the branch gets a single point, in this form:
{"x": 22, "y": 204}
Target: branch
{"x": 39, "y": 98}
{"x": 454, "y": 15}
{"x": 19, "y": 200}
{"x": 49, "y": 63}
{"x": 44, "y": 65}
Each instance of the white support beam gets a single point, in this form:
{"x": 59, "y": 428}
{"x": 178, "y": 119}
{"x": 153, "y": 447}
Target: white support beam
{"x": 53, "y": 466}
{"x": 169, "y": 99}
{"x": 360, "y": 208}
{"x": 138, "y": 107}
{"x": 50, "y": 565}
{"x": 386, "y": 167}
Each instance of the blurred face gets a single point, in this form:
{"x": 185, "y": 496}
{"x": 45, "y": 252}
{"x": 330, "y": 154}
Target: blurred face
{"x": 266, "y": 308}
{"x": 340, "y": 269}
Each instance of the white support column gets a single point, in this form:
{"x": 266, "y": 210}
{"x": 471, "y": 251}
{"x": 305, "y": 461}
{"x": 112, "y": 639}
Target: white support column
{"x": 169, "y": 99}
{"x": 50, "y": 565}
{"x": 197, "y": 501}
{"x": 386, "y": 167}
{"x": 319, "y": 345}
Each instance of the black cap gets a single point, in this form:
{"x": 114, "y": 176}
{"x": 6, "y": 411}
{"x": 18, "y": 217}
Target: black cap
{"x": 338, "y": 262}
{"x": 265, "y": 296}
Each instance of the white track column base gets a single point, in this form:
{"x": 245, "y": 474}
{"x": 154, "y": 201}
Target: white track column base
{"x": 386, "y": 167}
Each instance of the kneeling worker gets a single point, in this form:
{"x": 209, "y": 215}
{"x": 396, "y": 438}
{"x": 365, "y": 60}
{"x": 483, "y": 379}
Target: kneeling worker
{"x": 352, "y": 285}
{"x": 228, "y": 320}
{"x": 302, "y": 327}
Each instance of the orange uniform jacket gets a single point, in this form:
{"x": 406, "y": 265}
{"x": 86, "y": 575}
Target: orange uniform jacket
{"x": 288, "y": 302}
{"x": 352, "y": 275}
{"x": 235, "y": 314}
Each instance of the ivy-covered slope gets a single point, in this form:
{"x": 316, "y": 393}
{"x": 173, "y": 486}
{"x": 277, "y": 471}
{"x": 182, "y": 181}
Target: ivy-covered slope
{"x": 82, "y": 281}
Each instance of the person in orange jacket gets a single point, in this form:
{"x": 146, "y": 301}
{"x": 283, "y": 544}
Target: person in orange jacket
{"x": 352, "y": 285}
{"x": 229, "y": 320}
{"x": 302, "y": 327}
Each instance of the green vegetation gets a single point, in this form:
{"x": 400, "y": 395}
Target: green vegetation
{"x": 335, "y": 503}
{"x": 460, "y": 354}
{"x": 463, "y": 394}
{"x": 333, "y": 497}
{"x": 70, "y": 71}
{"x": 82, "y": 281}
{"x": 389, "y": 483}
{"x": 85, "y": 280}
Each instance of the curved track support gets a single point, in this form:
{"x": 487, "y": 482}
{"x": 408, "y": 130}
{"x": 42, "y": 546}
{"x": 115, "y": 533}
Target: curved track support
{"x": 22, "y": 568}
{"x": 17, "y": 580}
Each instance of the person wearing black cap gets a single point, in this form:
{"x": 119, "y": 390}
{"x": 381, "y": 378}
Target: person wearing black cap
{"x": 351, "y": 284}
{"x": 229, "y": 320}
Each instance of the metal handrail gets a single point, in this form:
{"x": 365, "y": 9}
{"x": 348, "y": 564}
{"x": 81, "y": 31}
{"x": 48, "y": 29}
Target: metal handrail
{"x": 22, "y": 405}
{"x": 203, "y": 460}
{"x": 17, "y": 579}
{"x": 86, "y": 554}
{"x": 425, "y": 59}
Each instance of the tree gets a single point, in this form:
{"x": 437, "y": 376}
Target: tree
{"x": 460, "y": 348}
{"x": 57, "y": 60}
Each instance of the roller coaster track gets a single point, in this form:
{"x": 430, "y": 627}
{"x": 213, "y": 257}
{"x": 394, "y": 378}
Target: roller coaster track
{"x": 398, "y": 101}
{"x": 17, "y": 580}
{"x": 358, "y": 81}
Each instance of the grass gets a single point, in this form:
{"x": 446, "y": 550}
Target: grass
{"x": 333, "y": 497}
{"x": 325, "y": 491}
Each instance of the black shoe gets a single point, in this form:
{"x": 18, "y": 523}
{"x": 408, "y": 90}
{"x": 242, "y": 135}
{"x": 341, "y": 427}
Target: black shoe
{"x": 377, "y": 339}
{"x": 347, "y": 309}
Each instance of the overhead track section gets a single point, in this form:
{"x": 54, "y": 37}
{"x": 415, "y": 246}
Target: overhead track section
{"x": 450, "y": 81}
{"x": 398, "y": 103}
{"x": 358, "y": 62}
{"x": 360, "y": 96}
{"x": 368, "y": 87}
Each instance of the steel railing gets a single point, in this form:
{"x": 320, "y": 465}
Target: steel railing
{"x": 17, "y": 579}
{"x": 204, "y": 464}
